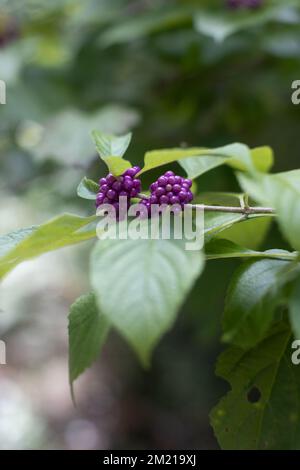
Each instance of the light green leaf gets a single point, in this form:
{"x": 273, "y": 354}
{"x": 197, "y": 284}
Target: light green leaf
{"x": 282, "y": 192}
{"x": 234, "y": 155}
{"x": 12, "y": 239}
{"x": 61, "y": 231}
{"x": 263, "y": 158}
{"x": 262, "y": 409}
{"x": 88, "y": 330}
{"x": 251, "y": 233}
{"x": 111, "y": 149}
{"x": 238, "y": 154}
{"x": 216, "y": 222}
{"x": 294, "y": 308}
{"x": 219, "y": 248}
{"x": 255, "y": 291}
{"x": 111, "y": 145}
{"x": 87, "y": 189}
{"x": 140, "y": 285}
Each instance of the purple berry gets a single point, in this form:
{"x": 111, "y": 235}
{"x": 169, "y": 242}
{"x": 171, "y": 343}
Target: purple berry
{"x": 178, "y": 179}
{"x": 162, "y": 181}
{"x": 111, "y": 194}
{"x": 160, "y": 191}
{"x": 182, "y": 196}
{"x": 174, "y": 200}
{"x": 113, "y": 187}
{"x": 104, "y": 188}
{"x": 117, "y": 186}
{"x": 164, "y": 199}
{"x": 171, "y": 180}
{"x": 176, "y": 191}
{"x": 176, "y": 188}
{"x": 153, "y": 186}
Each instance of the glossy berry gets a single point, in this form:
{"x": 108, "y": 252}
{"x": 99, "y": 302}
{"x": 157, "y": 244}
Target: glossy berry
{"x": 112, "y": 187}
{"x": 169, "y": 189}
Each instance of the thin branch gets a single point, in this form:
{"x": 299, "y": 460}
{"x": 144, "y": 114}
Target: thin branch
{"x": 243, "y": 209}
{"x": 234, "y": 209}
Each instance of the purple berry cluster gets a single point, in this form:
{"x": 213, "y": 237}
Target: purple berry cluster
{"x": 235, "y": 4}
{"x": 169, "y": 189}
{"x": 112, "y": 187}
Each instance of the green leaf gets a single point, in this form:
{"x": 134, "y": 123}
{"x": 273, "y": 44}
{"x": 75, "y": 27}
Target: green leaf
{"x": 61, "y": 231}
{"x": 234, "y": 155}
{"x": 111, "y": 145}
{"x": 219, "y": 248}
{"x": 111, "y": 149}
{"x": 217, "y": 222}
{"x": 251, "y": 233}
{"x": 282, "y": 192}
{"x": 140, "y": 285}
{"x": 262, "y": 409}
{"x": 254, "y": 293}
{"x": 88, "y": 330}
{"x": 12, "y": 239}
{"x": 294, "y": 308}
{"x": 237, "y": 155}
{"x": 87, "y": 189}
{"x": 263, "y": 158}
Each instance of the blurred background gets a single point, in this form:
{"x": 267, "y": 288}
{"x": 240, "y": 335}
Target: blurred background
{"x": 175, "y": 72}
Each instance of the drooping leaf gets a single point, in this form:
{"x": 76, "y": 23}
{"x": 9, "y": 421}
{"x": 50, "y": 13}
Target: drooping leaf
{"x": 61, "y": 231}
{"x": 140, "y": 285}
{"x": 262, "y": 409}
{"x": 294, "y": 308}
{"x": 87, "y": 189}
{"x": 88, "y": 329}
{"x": 256, "y": 289}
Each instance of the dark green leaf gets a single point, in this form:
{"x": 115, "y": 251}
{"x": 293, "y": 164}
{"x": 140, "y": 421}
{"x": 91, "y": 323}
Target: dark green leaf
{"x": 262, "y": 409}
{"x": 88, "y": 330}
{"x": 255, "y": 291}
{"x": 294, "y": 308}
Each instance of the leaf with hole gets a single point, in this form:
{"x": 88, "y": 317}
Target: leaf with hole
{"x": 264, "y": 400}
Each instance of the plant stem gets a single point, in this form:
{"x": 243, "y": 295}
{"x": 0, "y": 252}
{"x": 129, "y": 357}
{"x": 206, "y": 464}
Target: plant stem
{"x": 245, "y": 209}
{"x": 234, "y": 209}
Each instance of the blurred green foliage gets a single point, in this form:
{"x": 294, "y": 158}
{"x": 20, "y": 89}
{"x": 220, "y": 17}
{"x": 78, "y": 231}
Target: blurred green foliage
{"x": 178, "y": 72}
